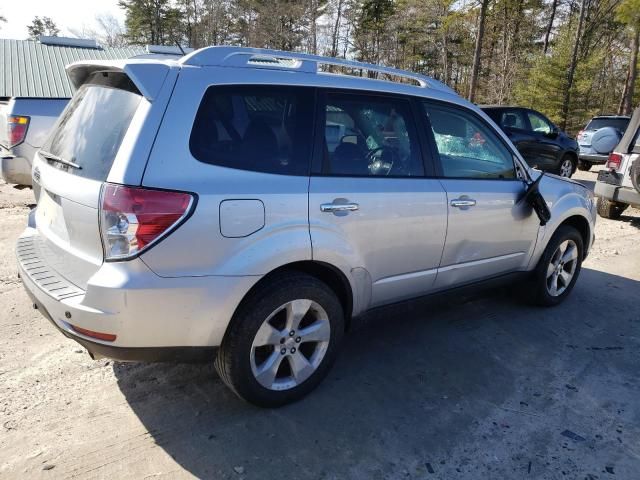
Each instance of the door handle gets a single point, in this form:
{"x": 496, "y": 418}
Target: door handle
{"x": 463, "y": 202}
{"x": 339, "y": 207}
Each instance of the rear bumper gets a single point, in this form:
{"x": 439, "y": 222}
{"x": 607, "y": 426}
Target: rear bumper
{"x": 15, "y": 170}
{"x": 153, "y": 318}
{"x": 593, "y": 158}
{"x": 615, "y": 193}
{"x": 130, "y": 354}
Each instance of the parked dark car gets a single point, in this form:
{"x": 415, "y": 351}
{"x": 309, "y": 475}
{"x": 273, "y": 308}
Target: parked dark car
{"x": 541, "y": 143}
{"x": 599, "y": 138}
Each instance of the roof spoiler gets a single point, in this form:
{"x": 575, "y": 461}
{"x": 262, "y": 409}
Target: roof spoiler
{"x": 147, "y": 76}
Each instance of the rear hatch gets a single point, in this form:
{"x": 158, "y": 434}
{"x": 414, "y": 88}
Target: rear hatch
{"x": 617, "y": 123}
{"x": 584, "y": 138}
{"x": 71, "y": 168}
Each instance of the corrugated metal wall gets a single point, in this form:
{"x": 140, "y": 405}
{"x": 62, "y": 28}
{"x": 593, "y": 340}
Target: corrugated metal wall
{"x": 31, "y": 69}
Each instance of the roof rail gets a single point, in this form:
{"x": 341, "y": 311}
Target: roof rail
{"x": 264, "y": 58}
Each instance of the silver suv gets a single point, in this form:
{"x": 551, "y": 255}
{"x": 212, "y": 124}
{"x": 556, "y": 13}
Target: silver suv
{"x": 249, "y": 203}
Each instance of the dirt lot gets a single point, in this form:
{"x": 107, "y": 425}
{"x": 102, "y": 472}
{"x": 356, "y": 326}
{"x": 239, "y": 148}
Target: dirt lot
{"x": 474, "y": 387}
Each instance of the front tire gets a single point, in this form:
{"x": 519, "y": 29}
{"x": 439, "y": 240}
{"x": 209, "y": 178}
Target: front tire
{"x": 282, "y": 340}
{"x": 610, "y": 209}
{"x": 558, "y": 268}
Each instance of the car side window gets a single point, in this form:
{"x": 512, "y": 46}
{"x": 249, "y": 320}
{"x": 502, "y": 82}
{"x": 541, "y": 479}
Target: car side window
{"x": 258, "y": 128}
{"x": 368, "y": 135}
{"x": 539, "y": 124}
{"x": 468, "y": 148}
{"x": 513, "y": 119}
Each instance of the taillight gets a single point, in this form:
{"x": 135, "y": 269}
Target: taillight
{"x": 17, "y": 126}
{"x": 580, "y": 134}
{"x": 133, "y": 218}
{"x": 614, "y": 161}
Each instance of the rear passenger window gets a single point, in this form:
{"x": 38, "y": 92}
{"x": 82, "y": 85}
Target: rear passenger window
{"x": 259, "y": 128}
{"x": 467, "y": 147}
{"x": 368, "y": 135}
{"x": 513, "y": 119}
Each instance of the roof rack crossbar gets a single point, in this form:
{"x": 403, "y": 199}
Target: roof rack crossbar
{"x": 258, "y": 57}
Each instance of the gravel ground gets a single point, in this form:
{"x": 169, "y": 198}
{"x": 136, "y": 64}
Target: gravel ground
{"x": 471, "y": 387}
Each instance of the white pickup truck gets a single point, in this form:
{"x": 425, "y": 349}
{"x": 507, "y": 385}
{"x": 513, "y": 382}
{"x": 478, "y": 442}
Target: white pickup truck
{"x": 24, "y": 126}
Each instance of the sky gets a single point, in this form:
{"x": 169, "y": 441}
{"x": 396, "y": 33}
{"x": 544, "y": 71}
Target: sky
{"x": 74, "y": 14}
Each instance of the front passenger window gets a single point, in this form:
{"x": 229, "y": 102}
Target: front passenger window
{"x": 467, "y": 147}
{"x": 539, "y": 124}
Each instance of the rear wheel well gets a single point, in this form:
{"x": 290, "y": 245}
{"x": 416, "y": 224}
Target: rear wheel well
{"x": 582, "y": 225}
{"x": 330, "y": 275}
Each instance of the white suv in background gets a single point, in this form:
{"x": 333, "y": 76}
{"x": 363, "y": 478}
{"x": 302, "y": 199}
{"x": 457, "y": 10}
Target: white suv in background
{"x": 618, "y": 185}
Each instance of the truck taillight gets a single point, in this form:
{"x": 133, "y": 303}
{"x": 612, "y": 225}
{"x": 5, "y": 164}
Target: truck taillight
{"x": 614, "y": 161}
{"x": 134, "y": 218}
{"x": 17, "y": 126}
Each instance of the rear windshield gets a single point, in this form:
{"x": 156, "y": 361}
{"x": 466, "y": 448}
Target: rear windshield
{"x": 90, "y": 129}
{"x": 619, "y": 123}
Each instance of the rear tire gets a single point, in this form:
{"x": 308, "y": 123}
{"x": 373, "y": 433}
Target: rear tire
{"x": 584, "y": 166}
{"x": 634, "y": 173}
{"x": 610, "y": 209}
{"x": 261, "y": 360}
{"x": 567, "y": 166}
{"x": 557, "y": 270}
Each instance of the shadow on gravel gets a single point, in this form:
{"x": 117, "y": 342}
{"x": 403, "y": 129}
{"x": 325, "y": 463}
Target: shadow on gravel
{"x": 633, "y": 221}
{"x": 473, "y": 387}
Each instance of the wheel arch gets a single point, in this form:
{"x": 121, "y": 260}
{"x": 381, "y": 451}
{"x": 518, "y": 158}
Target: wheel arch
{"x": 581, "y": 224}
{"x": 332, "y": 276}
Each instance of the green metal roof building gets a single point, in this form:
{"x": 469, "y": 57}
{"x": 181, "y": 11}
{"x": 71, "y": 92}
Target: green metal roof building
{"x": 30, "y": 68}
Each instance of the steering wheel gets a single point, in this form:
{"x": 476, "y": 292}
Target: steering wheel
{"x": 378, "y": 165}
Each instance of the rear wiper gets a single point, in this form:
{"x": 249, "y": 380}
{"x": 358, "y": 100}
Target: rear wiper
{"x": 54, "y": 158}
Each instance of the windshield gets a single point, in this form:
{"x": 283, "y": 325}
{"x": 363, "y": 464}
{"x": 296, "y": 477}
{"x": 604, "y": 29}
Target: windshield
{"x": 619, "y": 123}
{"x": 89, "y": 131}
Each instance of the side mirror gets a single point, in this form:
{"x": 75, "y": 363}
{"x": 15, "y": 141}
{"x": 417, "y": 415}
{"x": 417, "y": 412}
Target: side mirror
{"x": 555, "y": 131}
{"x": 534, "y": 198}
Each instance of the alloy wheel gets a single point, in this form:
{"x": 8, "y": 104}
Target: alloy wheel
{"x": 566, "y": 168}
{"x": 290, "y": 344}
{"x": 562, "y": 268}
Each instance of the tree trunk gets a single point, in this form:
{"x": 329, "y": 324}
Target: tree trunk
{"x": 627, "y": 104}
{"x": 572, "y": 69}
{"x": 475, "y": 69}
{"x": 336, "y": 31}
{"x": 547, "y": 34}
{"x": 623, "y": 98}
{"x": 314, "y": 27}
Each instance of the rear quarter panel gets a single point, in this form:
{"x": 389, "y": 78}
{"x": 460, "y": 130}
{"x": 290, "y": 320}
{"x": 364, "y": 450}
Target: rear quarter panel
{"x": 198, "y": 247}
